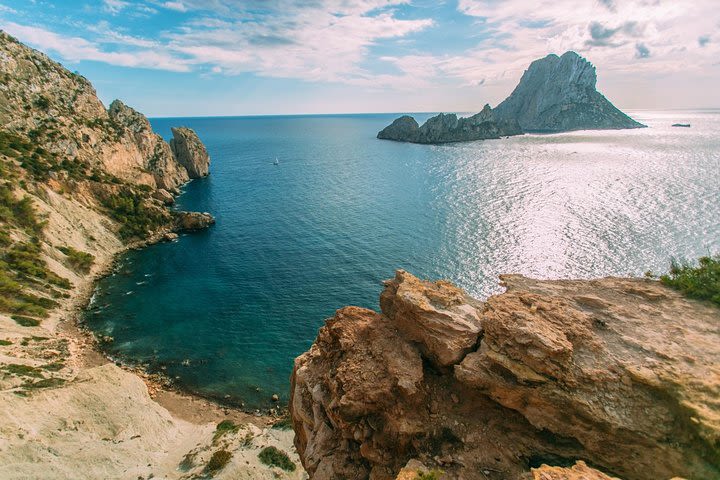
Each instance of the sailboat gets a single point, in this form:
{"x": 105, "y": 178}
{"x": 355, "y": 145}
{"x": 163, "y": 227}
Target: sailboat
{"x": 276, "y": 162}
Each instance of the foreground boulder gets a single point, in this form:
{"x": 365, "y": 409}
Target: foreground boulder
{"x": 557, "y": 94}
{"x": 192, "y": 221}
{"x": 622, "y": 373}
{"x": 190, "y": 152}
{"x": 447, "y": 128}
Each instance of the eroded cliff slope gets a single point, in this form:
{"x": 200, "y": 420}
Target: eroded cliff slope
{"x": 621, "y": 373}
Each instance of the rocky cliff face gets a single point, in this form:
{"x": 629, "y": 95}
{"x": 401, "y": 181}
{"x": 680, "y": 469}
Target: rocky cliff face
{"x": 557, "y": 94}
{"x": 621, "y": 373}
{"x": 167, "y": 171}
{"x": 446, "y": 128}
{"x": 190, "y": 152}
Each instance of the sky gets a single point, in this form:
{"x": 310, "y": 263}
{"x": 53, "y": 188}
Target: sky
{"x": 232, "y": 57}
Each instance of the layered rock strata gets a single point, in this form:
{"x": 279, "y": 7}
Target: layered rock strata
{"x": 621, "y": 373}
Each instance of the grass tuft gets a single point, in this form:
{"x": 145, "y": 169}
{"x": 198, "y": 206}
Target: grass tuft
{"x": 218, "y": 461}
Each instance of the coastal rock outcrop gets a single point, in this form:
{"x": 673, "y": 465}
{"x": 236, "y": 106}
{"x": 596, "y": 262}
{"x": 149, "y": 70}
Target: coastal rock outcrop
{"x": 192, "y": 221}
{"x": 446, "y": 128}
{"x": 190, "y": 152}
{"x": 168, "y": 172}
{"x": 622, "y": 373}
{"x": 558, "y": 94}
{"x": 555, "y": 94}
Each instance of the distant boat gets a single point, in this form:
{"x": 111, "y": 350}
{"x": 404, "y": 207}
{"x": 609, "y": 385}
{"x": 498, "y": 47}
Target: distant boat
{"x": 276, "y": 162}
{"x": 685, "y": 125}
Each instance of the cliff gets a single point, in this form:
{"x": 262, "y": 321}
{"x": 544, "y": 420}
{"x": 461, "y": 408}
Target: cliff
{"x": 555, "y": 94}
{"x": 446, "y": 128}
{"x": 620, "y": 373}
{"x": 78, "y": 185}
{"x": 558, "y": 94}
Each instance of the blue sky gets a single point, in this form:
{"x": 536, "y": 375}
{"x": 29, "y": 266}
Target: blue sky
{"x": 231, "y": 57}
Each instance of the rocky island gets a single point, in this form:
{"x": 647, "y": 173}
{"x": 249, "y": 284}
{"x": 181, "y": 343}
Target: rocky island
{"x": 619, "y": 374}
{"x": 555, "y": 94}
{"x": 79, "y": 184}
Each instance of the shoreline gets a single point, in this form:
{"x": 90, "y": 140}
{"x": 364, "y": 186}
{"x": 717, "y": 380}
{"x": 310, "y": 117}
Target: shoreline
{"x": 85, "y": 351}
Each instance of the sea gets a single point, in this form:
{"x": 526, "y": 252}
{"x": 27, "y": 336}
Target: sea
{"x": 224, "y": 312}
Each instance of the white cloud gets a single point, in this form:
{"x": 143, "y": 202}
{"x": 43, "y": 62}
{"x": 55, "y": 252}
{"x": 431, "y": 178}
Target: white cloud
{"x": 115, "y": 6}
{"x": 177, "y": 6}
{"x": 75, "y": 49}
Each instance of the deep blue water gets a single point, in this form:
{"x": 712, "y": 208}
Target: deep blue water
{"x": 227, "y": 310}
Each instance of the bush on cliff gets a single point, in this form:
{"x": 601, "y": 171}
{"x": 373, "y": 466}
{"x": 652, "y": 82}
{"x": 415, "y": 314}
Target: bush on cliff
{"x": 273, "y": 457}
{"x": 128, "y": 208}
{"x": 79, "y": 261}
{"x": 701, "y": 281}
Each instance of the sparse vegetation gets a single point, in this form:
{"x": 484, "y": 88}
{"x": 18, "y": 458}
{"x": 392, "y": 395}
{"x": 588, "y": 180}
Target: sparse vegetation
{"x": 22, "y": 370}
{"x": 701, "y": 281}
{"x": 226, "y": 426}
{"x": 5, "y": 343}
{"x": 273, "y": 457}
{"x": 79, "y": 261}
{"x": 25, "y": 321}
{"x": 129, "y": 209}
{"x": 217, "y": 462}
{"x": 187, "y": 462}
{"x": 44, "y": 383}
{"x": 431, "y": 475}
{"x": 283, "y": 424}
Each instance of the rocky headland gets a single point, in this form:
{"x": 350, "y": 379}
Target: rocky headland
{"x": 611, "y": 377}
{"x": 555, "y": 94}
{"x": 79, "y": 184}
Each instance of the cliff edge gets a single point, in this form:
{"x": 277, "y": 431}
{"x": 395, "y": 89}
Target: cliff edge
{"x": 621, "y": 373}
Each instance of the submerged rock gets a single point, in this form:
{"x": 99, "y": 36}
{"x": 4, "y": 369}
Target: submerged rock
{"x": 620, "y": 372}
{"x": 190, "y": 152}
{"x": 557, "y": 94}
{"x": 446, "y": 128}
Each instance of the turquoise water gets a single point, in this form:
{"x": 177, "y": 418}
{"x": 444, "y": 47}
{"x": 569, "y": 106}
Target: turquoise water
{"x": 227, "y": 310}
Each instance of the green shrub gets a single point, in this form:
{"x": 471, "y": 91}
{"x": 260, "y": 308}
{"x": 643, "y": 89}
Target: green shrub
{"x": 128, "y": 208}
{"x": 701, "y": 282}
{"x": 226, "y": 426}
{"x": 218, "y": 461}
{"x": 24, "y": 321}
{"x": 80, "y": 261}
{"x": 44, "y": 383}
{"x": 431, "y": 475}
{"x": 283, "y": 424}
{"x": 5, "y": 343}
{"x": 22, "y": 370}
{"x": 276, "y": 458}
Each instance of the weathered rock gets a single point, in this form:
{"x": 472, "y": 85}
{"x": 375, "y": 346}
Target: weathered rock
{"x": 191, "y": 221}
{"x": 446, "y": 128}
{"x": 168, "y": 173}
{"x": 579, "y": 471}
{"x": 624, "y": 373}
{"x": 164, "y": 196}
{"x": 190, "y": 152}
{"x": 438, "y": 316}
{"x": 557, "y": 94}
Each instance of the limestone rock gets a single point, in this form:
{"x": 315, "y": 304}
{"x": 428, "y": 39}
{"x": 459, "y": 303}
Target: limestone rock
{"x": 557, "y": 94}
{"x": 190, "y": 152}
{"x": 579, "y": 471}
{"x": 168, "y": 173}
{"x": 623, "y": 373}
{"x": 191, "y": 221}
{"x": 446, "y": 128}
{"x": 438, "y": 316}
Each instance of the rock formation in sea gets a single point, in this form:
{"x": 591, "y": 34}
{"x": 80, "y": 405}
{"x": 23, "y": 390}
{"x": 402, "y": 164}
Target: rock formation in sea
{"x": 555, "y": 94}
{"x": 620, "y": 373}
{"x": 558, "y": 94}
{"x": 190, "y": 152}
{"x": 446, "y": 128}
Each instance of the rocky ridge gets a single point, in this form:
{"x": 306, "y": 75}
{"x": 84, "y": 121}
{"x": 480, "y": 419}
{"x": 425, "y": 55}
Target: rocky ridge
{"x": 446, "y": 128}
{"x": 555, "y": 94}
{"x": 190, "y": 152}
{"x": 620, "y": 373}
{"x": 558, "y": 94}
